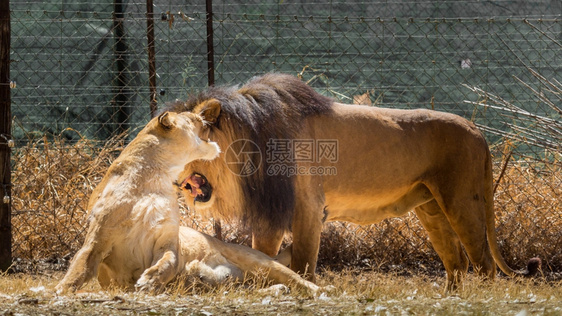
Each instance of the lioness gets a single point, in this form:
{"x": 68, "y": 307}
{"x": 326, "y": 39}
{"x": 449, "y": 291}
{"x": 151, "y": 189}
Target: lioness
{"x": 387, "y": 162}
{"x": 134, "y": 238}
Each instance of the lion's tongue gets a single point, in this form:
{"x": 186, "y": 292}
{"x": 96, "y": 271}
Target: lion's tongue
{"x": 195, "y": 181}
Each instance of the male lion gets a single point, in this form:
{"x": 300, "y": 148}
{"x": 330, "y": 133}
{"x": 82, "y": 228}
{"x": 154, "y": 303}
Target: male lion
{"x": 388, "y": 162}
{"x": 134, "y": 237}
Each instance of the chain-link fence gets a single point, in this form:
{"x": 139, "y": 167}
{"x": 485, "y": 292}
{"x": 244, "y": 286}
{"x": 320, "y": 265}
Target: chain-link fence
{"x": 81, "y": 75}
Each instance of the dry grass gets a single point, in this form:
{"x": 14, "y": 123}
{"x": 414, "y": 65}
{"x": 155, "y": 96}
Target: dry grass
{"x": 529, "y": 212}
{"x": 528, "y": 199}
{"x": 52, "y": 181}
{"x": 356, "y": 292}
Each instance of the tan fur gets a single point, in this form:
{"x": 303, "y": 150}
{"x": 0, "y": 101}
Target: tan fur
{"x": 389, "y": 163}
{"x": 213, "y": 261}
{"x": 134, "y": 238}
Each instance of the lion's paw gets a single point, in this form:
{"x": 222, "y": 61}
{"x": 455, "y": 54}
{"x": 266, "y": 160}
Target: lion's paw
{"x": 65, "y": 288}
{"x": 148, "y": 282}
{"x": 276, "y": 290}
{"x": 61, "y": 289}
{"x": 327, "y": 289}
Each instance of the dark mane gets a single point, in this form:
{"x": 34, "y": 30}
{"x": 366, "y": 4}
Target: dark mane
{"x": 272, "y": 106}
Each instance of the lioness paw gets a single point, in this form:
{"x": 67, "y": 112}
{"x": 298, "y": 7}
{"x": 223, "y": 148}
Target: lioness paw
{"x": 327, "y": 289}
{"x": 147, "y": 283}
{"x": 276, "y": 290}
{"x": 60, "y": 289}
{"x": 64, "y": 288}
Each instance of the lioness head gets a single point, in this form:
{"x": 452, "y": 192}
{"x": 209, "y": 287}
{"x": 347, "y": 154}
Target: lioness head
{"x": 178, "y": 137}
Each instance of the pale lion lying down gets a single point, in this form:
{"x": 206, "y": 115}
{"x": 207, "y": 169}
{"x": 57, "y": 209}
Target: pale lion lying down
{"x": 134, "y": 239}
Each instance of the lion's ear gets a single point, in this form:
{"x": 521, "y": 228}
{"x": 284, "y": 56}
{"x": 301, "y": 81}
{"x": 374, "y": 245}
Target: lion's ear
{"x": 164, "y": 120}
{"x": 210, "y": 110}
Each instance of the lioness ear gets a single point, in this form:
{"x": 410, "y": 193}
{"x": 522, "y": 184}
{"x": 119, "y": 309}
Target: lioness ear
{"x": 164, "y": 120}
{"x": 210, "y": 110}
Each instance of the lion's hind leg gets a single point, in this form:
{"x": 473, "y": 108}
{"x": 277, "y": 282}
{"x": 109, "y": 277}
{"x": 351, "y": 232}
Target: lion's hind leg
{"x": 445, "y": 241}
{"x": 104, "y": 276}
{"x": 472, "y": 233}
{"x": 256, "y": 263}
{"x": 465, "y": 210}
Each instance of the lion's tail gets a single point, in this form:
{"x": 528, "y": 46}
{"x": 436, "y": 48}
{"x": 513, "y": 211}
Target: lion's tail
{"x": 534, "y": 264}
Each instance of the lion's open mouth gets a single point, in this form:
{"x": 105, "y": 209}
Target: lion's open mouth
{"x": 198, "y": 186}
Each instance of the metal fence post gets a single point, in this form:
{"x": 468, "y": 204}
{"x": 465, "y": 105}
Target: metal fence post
{"x": 151, "y": 56}
{"x": 210, "y": 47}
{"x": 121, "y": 81}
{"x": 5, "y": 139}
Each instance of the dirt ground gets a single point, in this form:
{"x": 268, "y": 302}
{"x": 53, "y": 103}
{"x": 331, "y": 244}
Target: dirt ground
{"x": 354, "y": 293}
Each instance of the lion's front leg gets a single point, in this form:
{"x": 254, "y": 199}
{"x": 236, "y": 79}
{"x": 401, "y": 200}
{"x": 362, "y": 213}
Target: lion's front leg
{"x": 267, "y": 241}
{"x": 85, "y": 263}
{"x": 83, "y": 267}
{"x": 307, "y": 227}
{"x": 284, "y": 256}
{"x": 306, "y": 244}
{"x": 159, "y": 274}
{"x": 164, "y": 269}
